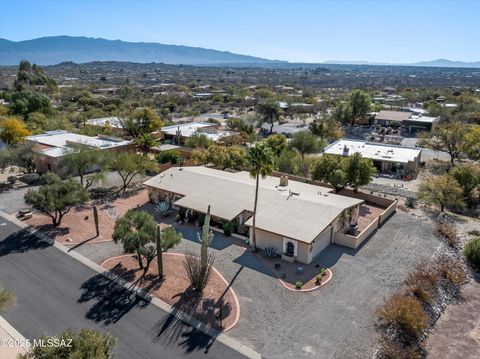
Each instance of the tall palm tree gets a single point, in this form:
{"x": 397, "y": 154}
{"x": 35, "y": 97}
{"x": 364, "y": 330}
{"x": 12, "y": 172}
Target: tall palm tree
{"x": 260, "y": 159}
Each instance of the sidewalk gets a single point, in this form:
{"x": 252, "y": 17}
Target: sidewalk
{"x": 10, "y": 341}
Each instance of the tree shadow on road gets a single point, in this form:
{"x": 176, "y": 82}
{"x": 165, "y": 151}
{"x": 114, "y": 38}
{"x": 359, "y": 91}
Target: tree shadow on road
{"x": 111, "y": 301}
{"x": 171, "y": 330}
{"x": 22, "y": 241}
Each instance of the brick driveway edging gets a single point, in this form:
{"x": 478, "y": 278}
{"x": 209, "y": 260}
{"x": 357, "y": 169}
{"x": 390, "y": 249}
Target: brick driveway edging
{"x": 222, "y": 338}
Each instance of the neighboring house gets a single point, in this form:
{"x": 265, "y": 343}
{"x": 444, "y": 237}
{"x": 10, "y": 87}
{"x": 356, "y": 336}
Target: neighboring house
{"x": 114, "y": 123}
{"x": 186, "y": 130}
{"x": 288, "y": 128}
{"x": 388, "y": 159}
{"x": 407, "y": 119}
{"x": 53, "y": 146}
{"x": 296, "y": 218}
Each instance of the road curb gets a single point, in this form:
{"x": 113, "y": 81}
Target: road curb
{"x": 222, "y": 338}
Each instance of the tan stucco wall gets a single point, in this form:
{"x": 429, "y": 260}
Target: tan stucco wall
{"x": 265, "y": 238}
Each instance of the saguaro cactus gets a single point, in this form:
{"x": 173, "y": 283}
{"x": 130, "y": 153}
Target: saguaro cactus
{"x": 206, "y": 239}
{"x": 95, "y": 218}
{"x": 159, "y": 252}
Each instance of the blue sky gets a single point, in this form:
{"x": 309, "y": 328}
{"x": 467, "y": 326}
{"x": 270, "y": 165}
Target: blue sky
{"x": 297, "y": 30}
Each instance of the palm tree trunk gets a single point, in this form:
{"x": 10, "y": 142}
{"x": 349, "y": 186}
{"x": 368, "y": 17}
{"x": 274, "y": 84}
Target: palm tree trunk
{"x": 254, "y": 229}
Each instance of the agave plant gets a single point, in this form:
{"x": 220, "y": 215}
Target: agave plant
{"x": 163, "y": 208}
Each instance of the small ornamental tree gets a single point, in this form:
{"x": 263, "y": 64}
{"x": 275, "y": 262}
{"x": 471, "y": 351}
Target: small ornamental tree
{"x": 306, "y": 142}
{"x": 13, "y": 131}
{"x": 341, "y": 172}
{"x": 450, "y": 138}
{"x": 56, "y": 197}
{"x": 441, "y": 191}
{"x": 128, "y": 165}
{"x": 135, "y": 231}
{"x": 86, "y": 344}
{"x": 82, "y": 160}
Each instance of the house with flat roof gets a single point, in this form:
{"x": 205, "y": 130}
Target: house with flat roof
{"x": 298, "y": 219}
{"x": 186, "y": 130}
{"x": 52, "y": 146}
{"x": 112, "y": 122}
{"x": 388, "y": 159}
{"x": 409, "y": 120}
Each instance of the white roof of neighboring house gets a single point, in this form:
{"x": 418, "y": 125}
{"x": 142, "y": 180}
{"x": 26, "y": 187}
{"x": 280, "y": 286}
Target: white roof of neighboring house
{"x": 105, "y": 121}
{"x": 59, "y": 142}
{"x": 301, "y": 214}
{"x": 374, "y": 151}
{"x": 188, "y": 129}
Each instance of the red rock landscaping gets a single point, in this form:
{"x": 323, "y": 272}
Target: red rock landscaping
{"x": 175, "y": 289}
{"x": 78, "y": 225}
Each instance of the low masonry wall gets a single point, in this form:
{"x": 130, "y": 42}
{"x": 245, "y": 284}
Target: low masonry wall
{"x": 387, "y": 213}
{"x": 350, "y": 241}
{"x": 379, "y": 201}
{"x": 355, "y": 241}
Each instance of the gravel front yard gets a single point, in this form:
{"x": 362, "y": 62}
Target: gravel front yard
{"x": 335, "y": 321}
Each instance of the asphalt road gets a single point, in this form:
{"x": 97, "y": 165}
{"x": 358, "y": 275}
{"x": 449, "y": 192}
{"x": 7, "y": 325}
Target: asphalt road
{"x": 55, "y": 292}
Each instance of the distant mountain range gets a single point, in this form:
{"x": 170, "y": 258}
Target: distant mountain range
{"x": 56, "y": 49}
{"x": 432, "y": 63}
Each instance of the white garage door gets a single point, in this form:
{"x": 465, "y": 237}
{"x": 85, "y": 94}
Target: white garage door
{"x": 322, "y": 242}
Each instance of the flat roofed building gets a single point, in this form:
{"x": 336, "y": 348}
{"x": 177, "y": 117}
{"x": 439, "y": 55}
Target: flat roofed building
{"x": 298, "y": 213}
{"x": 407, "y": 119}
{"x": 112, "y": 122}
{"x": 390, "y": 159}
{"x": 52, "y": 146}
{"x": 186, "y": 130}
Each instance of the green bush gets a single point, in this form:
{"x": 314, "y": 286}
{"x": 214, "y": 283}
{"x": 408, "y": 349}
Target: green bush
{"x": 170, "y": 156}
{"x": 227, "y": 228}
{"x": 318, "y": 278}
{"x": 472, "y": 252}
{"x": 299, "y": 284}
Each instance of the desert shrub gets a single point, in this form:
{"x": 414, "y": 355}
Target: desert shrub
{"x": 410, "y": 202}
{"x": 474, "y": 232}
{"x": 198, "y": 271}
{"x": 390, "y": 349}
{"x": 227, "y": 228}
{"x": 472, "y": 252}
{"x": 12, "y": 179}
{"x": 406, "y": 314}
{"x": 298, "y": 284}
{"x": 270, "y": 251}
{"x": 170, "y": 156}
{"x": 451, "y": 269}
{"x": 318, "y": 278}
{"x": 422, "y": 282}
{"x": 448, "y": 232}
{"x": 323, "y": 272}
{"x": 163, "y": 208}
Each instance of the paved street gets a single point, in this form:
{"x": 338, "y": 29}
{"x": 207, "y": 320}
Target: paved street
{"x": 55, "y": 292}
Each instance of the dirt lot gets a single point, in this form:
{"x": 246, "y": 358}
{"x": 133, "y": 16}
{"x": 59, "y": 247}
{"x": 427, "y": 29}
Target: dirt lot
{"x": 457, "y": 332}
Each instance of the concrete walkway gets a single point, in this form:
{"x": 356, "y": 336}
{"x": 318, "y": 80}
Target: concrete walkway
{"x": 10, "y": 341}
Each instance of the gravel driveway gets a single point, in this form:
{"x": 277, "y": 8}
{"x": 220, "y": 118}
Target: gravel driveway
{"x": 336, "y": 321}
